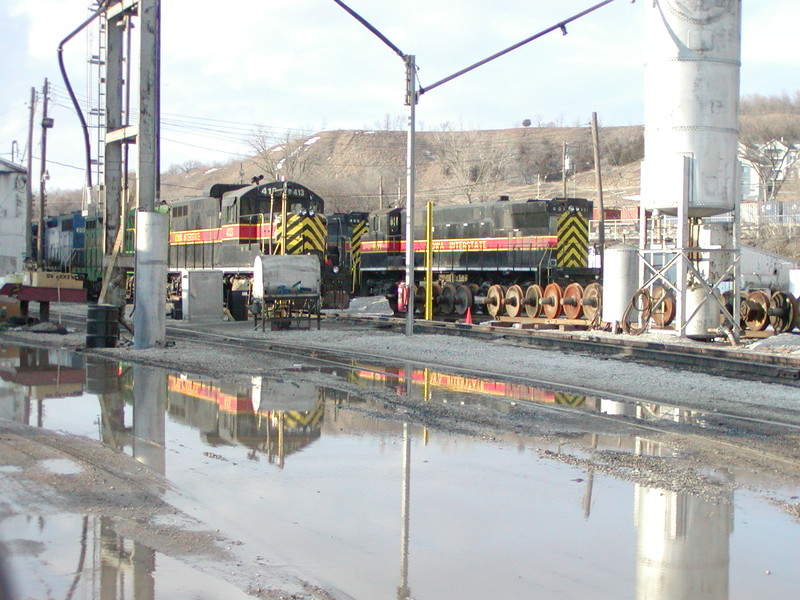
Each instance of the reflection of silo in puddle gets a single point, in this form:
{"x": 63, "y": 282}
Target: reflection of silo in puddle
{"x": 149, "y": 419}
{"x": 125, "y": 564}
{"x": 682, "y": 546}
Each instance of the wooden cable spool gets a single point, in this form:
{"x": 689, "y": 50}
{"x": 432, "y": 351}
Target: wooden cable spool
{"x": 663, "y": 311}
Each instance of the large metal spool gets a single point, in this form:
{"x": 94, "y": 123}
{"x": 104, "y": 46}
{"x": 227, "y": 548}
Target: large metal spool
{"x": 495, "y": 300}
{"x": 571, "y": 302}
{"x": 447, "y": 301}
{"x": 514, "y": 302}
{"x": 782, "y": 312}
{"x": 533, "y": 296}
{"x": 551, "y": 301}
{"x": 592, "y": 300}
{"x": 759, "y": 310}
{"x": 463, "y": 299}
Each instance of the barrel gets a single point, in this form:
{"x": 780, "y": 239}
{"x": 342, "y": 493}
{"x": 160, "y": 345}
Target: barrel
{"x": 102, "y": 326}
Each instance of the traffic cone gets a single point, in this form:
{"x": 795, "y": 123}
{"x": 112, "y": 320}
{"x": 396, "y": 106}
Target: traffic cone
{"x": 468, "y": 318}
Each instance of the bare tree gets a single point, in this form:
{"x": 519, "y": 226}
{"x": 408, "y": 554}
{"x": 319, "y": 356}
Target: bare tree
{"x": 391, "y": 123}
{"x": 279, "y": 154}
{"x": 772, "y": 162}
{"x": 184, "y": 167}
{"x": 471, "y": 161}
{"x": 769, "y": 130}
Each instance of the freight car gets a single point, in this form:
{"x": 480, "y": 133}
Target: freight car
{"x": 506, "y": 258}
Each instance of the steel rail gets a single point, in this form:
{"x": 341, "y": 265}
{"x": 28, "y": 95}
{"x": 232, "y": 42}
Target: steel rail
{"x": 767, "y": 368}
{"x": 373, "y": 363}
{"x": 326, "y": 356}
{"x": 658, "y": 357}
{"x": 338, "y": 357}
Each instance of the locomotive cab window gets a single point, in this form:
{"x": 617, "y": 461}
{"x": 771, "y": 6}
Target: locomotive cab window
{"x": 231, "y": 213}
{"x": 394, "y": 224}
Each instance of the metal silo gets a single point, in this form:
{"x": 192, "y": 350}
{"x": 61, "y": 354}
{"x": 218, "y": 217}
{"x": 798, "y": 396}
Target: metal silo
{"x": 691, "y": 105}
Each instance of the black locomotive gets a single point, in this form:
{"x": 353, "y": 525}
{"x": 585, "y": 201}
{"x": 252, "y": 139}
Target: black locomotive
{"x": 483, "y": 250}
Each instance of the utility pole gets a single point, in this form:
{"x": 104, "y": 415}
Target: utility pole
{"x": 29, "y": 179}
{"x": 47, "y": 123}
{"x": 152, "y": 226}
{"x": 564, "y": 169}
{"x": 411, "y": 101}
{"x": 601, "y": 226}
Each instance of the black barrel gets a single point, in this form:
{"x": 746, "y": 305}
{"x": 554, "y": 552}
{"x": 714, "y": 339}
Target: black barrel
{"x": 102, "y": 326}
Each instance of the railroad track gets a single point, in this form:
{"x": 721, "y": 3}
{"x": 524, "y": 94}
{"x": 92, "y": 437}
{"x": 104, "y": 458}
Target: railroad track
{"x": 777, "y": 423}
{"x": 763, "y": 423}
{"x": 728, "y": 362}
{"x": 769, "y": 368}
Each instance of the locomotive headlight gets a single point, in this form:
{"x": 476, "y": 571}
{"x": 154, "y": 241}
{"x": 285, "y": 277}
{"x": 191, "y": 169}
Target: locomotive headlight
{"x": 311, "y": 212}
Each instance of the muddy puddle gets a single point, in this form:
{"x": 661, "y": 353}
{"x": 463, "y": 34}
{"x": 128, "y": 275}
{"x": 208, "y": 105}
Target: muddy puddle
{"x": 332, "y": 487}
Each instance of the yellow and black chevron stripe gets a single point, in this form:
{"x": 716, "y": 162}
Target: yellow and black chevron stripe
{"x": 355, "y": 253}
{"x": 566, "y": 399}
{"x": 297, "y": 419}
{"x": 304, "y": 235}
{"x": 573, "y": 240}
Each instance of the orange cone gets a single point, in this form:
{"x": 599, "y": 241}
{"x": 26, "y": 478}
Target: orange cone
{"x": 468, "y": 318}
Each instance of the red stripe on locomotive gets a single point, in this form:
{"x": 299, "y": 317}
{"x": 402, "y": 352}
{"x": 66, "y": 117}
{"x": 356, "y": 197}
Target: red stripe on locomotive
{"x": 466, "y": 245}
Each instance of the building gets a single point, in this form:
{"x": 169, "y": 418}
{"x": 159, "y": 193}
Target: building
{"x": 767, "y": 169}
{"x": 14, "y": 218}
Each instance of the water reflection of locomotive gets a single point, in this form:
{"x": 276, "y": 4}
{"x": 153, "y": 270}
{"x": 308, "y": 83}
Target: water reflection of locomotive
{"x": 502, "y": 257}
{"x": 275, "y": 417}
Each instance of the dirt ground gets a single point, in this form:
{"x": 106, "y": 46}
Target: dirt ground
{"x": 114, "y": 485}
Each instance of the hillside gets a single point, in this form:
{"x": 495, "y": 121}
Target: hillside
{"x": 366, "y": 170}
{"x": 350, "y": 168}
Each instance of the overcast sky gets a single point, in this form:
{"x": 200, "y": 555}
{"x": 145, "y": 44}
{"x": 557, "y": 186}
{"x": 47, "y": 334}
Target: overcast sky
{"x": 230, "y": 67}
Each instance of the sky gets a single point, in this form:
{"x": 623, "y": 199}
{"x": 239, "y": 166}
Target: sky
{"x": 303, "y": 66}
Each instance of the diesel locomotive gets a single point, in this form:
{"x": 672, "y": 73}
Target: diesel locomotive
{"x": 227, "y": 228}
{"x": 514, "y": 258}
{"x": 504, "y": 258}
